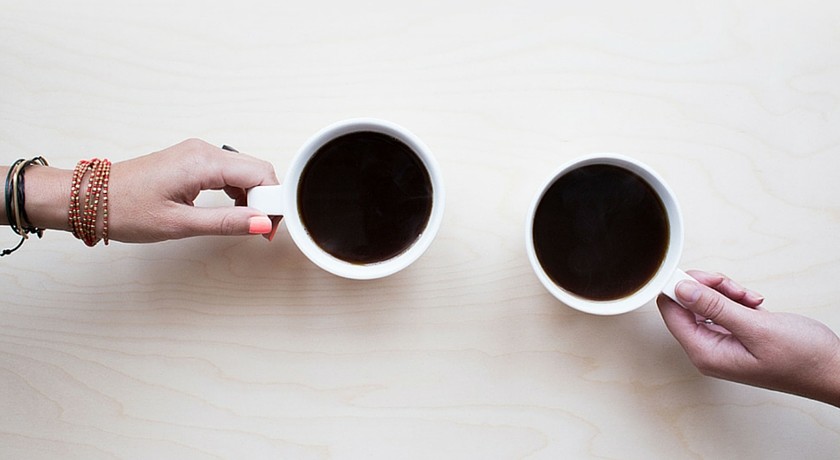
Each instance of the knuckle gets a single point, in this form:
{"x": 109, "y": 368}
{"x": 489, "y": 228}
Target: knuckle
{"x": 228, "y": 225}
{"x": 713, "y": 305}
{"x": 718, "y": 280}
{"x": 196, "y": 149}
{"x": 195, "y": 156}
{"x": 194, "y": 143}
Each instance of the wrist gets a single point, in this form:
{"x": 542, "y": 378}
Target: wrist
{"x": 824, "y": 382}
{"x": 47, "y": 197}
{"x": 831, "y": 389}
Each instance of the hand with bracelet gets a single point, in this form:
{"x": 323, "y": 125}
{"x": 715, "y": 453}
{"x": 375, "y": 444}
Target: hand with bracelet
{"x": 143, "y": 200}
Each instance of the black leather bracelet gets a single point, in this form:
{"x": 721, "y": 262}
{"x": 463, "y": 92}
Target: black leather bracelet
{"x": 15, "y": 200}
{"x": 10, "y": 218}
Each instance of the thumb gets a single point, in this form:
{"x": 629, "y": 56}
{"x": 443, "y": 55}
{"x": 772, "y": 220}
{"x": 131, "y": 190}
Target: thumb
{"x": 713, "y": 305}
{"x": 234, "y": 220}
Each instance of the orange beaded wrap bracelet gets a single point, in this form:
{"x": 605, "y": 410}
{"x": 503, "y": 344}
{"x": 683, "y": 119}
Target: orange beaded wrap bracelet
{"x": 84, "y": 210}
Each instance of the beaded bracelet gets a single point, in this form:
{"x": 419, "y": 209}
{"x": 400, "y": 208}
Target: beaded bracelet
{"x": 84, "y": 211}
{"x": 15, "y": 200}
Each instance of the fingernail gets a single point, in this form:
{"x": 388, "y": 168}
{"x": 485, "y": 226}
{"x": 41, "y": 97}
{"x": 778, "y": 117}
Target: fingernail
{"x": 259, "y": 225}
{"x": 688, "y": 291}
{"x": 757, "y": 298}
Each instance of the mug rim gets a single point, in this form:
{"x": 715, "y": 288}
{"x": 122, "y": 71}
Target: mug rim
{"x": 668, "y": 266}
{"x": 326, "y": 260}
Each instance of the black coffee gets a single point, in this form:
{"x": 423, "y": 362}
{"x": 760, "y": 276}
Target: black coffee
{"x": 365, "y": 197}
{"x": 601, "y": 232}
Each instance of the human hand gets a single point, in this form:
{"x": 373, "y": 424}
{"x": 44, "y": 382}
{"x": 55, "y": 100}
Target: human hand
{"x": 151, "y": 198}
{"x": 750, "y": 345}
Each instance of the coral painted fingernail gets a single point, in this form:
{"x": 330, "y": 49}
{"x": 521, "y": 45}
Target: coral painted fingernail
{"x": 259, "y": 225}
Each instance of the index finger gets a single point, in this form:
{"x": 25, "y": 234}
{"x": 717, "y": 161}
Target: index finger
{"x": 729, "y": 288}
{"x": 242, "y": 171}
{"x": 711, "y": 304}
{"x": 214, "y": 168}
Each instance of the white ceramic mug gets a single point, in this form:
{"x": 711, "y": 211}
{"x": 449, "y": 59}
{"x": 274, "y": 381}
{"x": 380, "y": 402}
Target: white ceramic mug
{"x": 282, "y": 200}
{"x": 666, "y": 276}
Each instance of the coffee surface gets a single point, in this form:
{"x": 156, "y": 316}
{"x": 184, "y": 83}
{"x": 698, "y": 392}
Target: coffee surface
{"x": 365, "y": 197}
{"x": 600, "y": 232}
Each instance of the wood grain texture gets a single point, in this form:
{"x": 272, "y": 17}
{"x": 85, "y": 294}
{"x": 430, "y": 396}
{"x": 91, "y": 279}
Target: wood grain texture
{"x": 237, "y": 348}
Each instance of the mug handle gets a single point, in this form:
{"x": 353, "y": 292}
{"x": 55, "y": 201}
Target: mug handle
{"x": 671, "y": 286}
{"x": 265, "y": 198}
{"x": 268, "y": 199}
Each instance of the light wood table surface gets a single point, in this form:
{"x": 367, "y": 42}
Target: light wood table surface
{"x": 239, "y": 348}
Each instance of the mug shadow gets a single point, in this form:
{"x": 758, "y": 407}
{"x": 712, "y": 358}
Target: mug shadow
{"x": 251, "y": 277}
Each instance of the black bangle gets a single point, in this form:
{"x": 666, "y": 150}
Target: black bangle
{"x": 10, "y": 218}
{"x": 15, "y": 200}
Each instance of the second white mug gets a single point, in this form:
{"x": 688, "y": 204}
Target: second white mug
{"x": 605, "y": 235}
